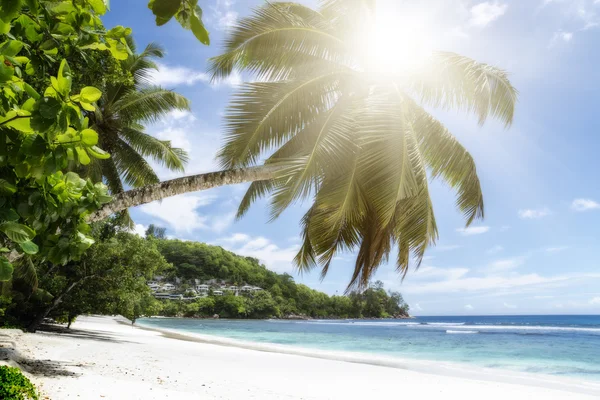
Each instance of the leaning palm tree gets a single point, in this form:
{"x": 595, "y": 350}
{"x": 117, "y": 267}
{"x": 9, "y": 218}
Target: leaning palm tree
{"x": 319, "y": 124}
{"x": 119, "y": 119}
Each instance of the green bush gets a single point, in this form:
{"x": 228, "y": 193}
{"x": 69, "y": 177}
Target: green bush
{"x": 15, "y": 386}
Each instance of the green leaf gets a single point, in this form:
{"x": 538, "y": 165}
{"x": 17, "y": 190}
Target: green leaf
{"x": 19, "y": 120}
{"x": 98, "y": 153}
{"x": 29, "y": 247}
{"x": 11, "y": 48}
{"x": 49, "y": 108}
{"x": 9, "y": 9}
{"x": 7, "y": 187}
{"x": 199, "y": 30}
{"x": 29, "y": 69}
{"x": 95, "y": 46}
{"x": 17, "y": 232}
{"x": 6, "y": 269}
{"x": 8, "y": 214}
{"x": 87, "y": 107}
{"x": 165, "y": 10}
{"x": 64, "y": 78}
{"x": 4, "y": 27}
{"x": 31, "y": 91}
{"x": 98, "y": 6}
{"x": 6, "y": 71}
{"x": 117, "y": 49}
{"x": 90, "y": 94}
{"x": 89, "y": 137}
{"x": 83, "y": 157}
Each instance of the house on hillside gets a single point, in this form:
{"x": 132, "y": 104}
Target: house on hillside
{"x": 218, "y": 292}
{"x": 168, "y": 287}
{"x": 202, "y": 288}
{"x": 154, "y": 286}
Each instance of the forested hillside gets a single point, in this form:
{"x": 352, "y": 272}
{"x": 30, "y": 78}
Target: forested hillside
{"x": 194, "y": 262}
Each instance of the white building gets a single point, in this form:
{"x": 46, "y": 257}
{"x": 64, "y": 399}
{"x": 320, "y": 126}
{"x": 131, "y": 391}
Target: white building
{"x": 247, "y": 288}
{"x": 218, "y": 292}
{"x": 202, "y": 288}
{"x": 168, "y": 287}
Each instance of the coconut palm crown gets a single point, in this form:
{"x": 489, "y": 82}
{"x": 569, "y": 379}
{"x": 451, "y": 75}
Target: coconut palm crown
{"x": 359, "y": 145}
{"x": 122, "y": 112}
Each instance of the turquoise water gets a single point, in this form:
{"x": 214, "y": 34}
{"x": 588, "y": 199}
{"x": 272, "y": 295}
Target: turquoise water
{"x": 555, "y": 345}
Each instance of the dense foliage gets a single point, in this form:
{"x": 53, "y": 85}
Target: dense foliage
{"x": 49, "y": 51}
{"x": 15, "y": 386}
{"x": 281, "y": 295}
{"x": 109, "y": 279}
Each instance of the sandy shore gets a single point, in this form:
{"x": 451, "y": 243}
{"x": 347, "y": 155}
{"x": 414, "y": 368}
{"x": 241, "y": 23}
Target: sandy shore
{"x": 105, "y": 359}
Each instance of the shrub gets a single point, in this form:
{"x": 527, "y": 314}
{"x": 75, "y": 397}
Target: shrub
{"x": 15, "y": 386}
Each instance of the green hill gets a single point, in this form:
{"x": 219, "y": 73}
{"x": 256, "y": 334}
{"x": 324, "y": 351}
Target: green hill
{"x": 281, "y": 297}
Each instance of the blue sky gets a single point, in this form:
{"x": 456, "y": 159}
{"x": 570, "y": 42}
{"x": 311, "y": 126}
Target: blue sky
{"x": 536, "y": 250}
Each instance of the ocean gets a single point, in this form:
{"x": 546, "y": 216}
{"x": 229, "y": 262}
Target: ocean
{"x": 558, "y": 345}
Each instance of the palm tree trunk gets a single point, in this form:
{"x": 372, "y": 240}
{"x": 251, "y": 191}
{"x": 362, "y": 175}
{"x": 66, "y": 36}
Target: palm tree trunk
{"x": 194, "y": 183}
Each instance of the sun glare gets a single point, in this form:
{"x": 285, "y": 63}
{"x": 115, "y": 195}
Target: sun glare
{"x": 395, "y": 44}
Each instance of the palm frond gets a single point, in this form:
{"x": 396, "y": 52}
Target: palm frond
{"x": 133, "y": 168}
{"x": 453, "y": 81}
{"x": 149, "y": 104}
{"x": 448, "y": 159}
{"x": 302, "y": 174}
{"x": 160, "y": 151}
{"x": 265, "y": 115}
{"x": 275, "y": 40}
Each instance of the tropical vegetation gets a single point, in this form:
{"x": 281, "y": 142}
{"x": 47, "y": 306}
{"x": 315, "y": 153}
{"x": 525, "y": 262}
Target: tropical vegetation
{"x": 125, "y": 107}
{"x": 281, "y": 296}
{"x": 15, "y": 386}
{"x": 358, "y": 145}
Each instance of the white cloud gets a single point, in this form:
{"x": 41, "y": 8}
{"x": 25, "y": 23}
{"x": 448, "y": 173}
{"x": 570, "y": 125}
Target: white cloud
{"x": 556, "y": 249}
{"x": 543, "y": 297}
{"x": 139, "y": 230}
{"x": 417, "y": 307}
{"x": 485, "y": 13}
{"x": 427, "y": 273}
{"x": 581, "y": 205}
{"x": 223, "y": 16}
{"x": 171, "y": 76}
{"x": 473, "y": 230}
{"x": 534, "y": 213}
{"x": 595, "y": 301}
{"x": 495, "y": 250}
{"x": 275, "y": 258}
{"x": 560, "y": 37}
{"x": 177, "y": 75}
{"x": 504, "y": 228}
{"x": 179, "y": 212}
{"x": 447, "y": 247}
{"x": 468, "y": 307}
{"x": 506, "y": 264}
{"x": 235, "y": 238}
{"x": 493, "y": 283}
{"x": 511, "y": 306}
{"x": 220, "y": 223}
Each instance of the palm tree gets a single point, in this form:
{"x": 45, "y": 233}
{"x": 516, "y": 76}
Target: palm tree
{"x": 359, "y": 144}
{"x": 119, "y": 119}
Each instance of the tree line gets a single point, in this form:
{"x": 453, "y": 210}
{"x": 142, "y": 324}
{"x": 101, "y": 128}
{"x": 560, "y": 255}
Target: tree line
{"x": 111, "y": 278}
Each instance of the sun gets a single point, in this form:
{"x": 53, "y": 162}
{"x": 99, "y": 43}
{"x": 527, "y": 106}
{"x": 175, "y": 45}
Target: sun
{"x": 395, "y": 43}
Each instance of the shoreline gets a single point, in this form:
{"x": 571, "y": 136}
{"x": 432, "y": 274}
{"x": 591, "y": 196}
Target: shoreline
{"x": 107, "y": 358}
{"x": 432, "y": 367}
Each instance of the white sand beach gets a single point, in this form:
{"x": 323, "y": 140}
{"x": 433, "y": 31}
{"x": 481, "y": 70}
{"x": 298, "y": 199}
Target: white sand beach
{"x": 105, "y": 359}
